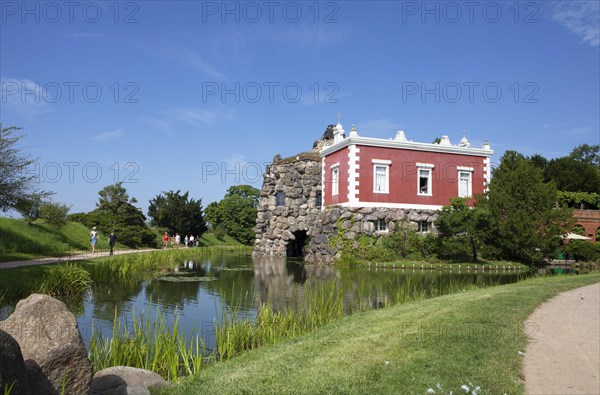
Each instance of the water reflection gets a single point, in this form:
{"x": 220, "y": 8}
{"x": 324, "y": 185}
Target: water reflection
{"x": 199, "y": 291}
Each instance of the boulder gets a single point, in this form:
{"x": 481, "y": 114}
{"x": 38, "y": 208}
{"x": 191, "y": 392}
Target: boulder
{"x": 123, "y": 380}
{"x": 51, "y": 344}
{"x": 12, "y": 367}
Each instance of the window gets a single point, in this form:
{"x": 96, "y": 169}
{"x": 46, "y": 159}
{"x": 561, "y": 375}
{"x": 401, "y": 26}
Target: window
{"x": 381, "y": 225}
{"x": 465, "y": 181}
{"x": 424, "y": 179}
{"x": 280, "y": 199}
{"x": 423, "y": 227}
{"x": 381, "y": 176}
{"x": 335, "y": 180}
{"x": 319, "y": 199}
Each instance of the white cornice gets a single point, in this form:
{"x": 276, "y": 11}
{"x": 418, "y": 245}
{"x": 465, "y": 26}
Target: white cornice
{"x": 409, "y": 145}
{"x": 392, "y": 205}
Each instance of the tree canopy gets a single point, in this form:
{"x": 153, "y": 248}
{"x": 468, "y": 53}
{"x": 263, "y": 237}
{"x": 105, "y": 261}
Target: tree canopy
{"x": 526, "y": 223}
{"x": 462, "y": 230}
{"x": 115, "y": 211}
{"x": 177, "y": 213}
{"x": 17, "y": 187}
{"x": 236, "y": 212}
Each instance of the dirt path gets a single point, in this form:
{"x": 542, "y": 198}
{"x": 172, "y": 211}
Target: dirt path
{"x": 563, "y": 356}
{"x": 77, "y": 257}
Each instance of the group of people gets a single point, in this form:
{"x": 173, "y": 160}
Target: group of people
{"x": 112, "y": 240}
{"x": 188, "y": 241}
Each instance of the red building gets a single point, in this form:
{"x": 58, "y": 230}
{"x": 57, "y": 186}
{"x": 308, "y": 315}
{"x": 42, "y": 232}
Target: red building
{"x": 398, "y": 173}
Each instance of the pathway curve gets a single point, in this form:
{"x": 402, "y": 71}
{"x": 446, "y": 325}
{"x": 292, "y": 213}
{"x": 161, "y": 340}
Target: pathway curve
{"x": 563, "y": 355}
{"x": 77, "y": 257}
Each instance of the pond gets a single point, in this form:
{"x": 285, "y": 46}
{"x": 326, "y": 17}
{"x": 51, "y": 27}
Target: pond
{"x": 200, "y": 290}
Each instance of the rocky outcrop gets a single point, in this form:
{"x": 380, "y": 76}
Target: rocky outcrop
{"x": 124, "y": 380}
{"x": 13, "y": 376}
{"x": 51, "y": 344}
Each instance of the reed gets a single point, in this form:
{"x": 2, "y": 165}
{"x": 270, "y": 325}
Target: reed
{"x": 321, "y": 304}
{"x": 67, "y": 279}
{"x": 152, "y": 344}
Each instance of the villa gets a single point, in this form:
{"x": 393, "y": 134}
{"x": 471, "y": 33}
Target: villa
{"x": 362, "y": 185}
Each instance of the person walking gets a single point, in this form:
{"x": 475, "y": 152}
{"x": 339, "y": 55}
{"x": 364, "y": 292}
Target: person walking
{"x": 112, "y": 239}
{"x": 166, "y": 240}
{"x": 186, "y": 240}
{"x": 93, "y": 239}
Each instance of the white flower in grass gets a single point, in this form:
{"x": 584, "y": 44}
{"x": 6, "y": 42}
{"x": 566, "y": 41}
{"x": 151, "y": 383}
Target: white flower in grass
{"x": 439, "y": 386}
{"x": 430, "y": 391}
{"x": 387, "y": 363}
{"x": 465, "y": 388}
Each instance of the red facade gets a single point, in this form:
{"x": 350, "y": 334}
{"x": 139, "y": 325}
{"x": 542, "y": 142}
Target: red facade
{"x": 387, "y": 173}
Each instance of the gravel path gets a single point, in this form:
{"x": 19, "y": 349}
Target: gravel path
{"x": 48, "y": 261}
{"x": 563, "y": 355}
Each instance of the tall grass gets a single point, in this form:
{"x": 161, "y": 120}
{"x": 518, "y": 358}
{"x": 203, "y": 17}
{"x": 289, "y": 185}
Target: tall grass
{"x": 151, "y": 344}
{"x": 67, "y": 279}
{"x": 322, "y": 303}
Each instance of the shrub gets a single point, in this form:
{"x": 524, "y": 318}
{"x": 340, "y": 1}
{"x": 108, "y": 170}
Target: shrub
{"x": 55, "y": 214}
{"x": 583, "y": 250}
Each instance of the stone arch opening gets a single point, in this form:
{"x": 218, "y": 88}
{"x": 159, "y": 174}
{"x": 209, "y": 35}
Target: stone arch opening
{"x": 579, "y": 230}
{"x": 295, "y": 247}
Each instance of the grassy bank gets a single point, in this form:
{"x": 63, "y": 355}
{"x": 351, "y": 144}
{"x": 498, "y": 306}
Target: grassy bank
{"x": 470, "y": 338}
{"x": 21, "y": 241}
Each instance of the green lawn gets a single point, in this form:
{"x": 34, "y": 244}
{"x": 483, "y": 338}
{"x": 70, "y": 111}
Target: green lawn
{"x": 20, "y": 241}
{"x": 470, "y": 338}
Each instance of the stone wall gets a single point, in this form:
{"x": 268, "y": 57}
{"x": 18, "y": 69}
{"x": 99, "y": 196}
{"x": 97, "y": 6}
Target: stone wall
{"x": 279, "y": 227}
{"x": 299, "y": 179}
{"x": 355, "y": 221}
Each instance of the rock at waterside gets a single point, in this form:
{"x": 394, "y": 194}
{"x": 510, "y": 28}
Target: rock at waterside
{"x": 124, "y": 380}
{"x": 12, "y": 367}
{"x": 51, "y": 344}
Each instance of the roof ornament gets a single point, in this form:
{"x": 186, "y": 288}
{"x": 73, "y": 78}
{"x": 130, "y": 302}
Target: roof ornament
{"x": 353, "y": 131}
{"x": 464, "y": 142}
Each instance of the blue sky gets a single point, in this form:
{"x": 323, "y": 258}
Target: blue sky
{"x": 199, "y": 96}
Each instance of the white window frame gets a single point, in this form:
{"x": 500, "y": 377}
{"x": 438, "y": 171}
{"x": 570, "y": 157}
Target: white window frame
{"x": 385, "y": 164}
{"x": 381, "y": 226}
{"x": 420, "y": 227}
{"x": 335, "y": 179}
{"x": 428, "y": 167}
{"x": 469, "y": 172}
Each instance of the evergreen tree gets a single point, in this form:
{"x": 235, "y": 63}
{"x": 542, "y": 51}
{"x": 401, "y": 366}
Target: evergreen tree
{"x": 177, "y": 212}
{"x": 462, "y": 229}
{"x": 524, "y": 211}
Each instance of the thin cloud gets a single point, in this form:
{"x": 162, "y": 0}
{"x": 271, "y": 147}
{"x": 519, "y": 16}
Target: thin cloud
{"x": 25, "y": 97}
{"x": 580, "y": 17}
{"x": 189, "y": 57}
{"x": 108, "y": 136}
{"x": 84, "y": 35}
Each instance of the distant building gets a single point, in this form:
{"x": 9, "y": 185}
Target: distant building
{"x": 362, "y": 185}
{"x": 398, "y": 173}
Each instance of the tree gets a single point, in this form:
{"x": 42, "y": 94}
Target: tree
{"x": 17, "y": 188}
{"x": 586, "y": 153}
{"x": 29, "y": 207}
{"x": 238, "y": 212}
{"x": 115, "y": 210}
{"x": 212, "y": 215}
{"x": 55, "y": 214}
{"x": 462, "y": 228}
{"x": 177, "y": 212}
{"x": 526, "y": 222}
{"x": 573, "y": 175}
